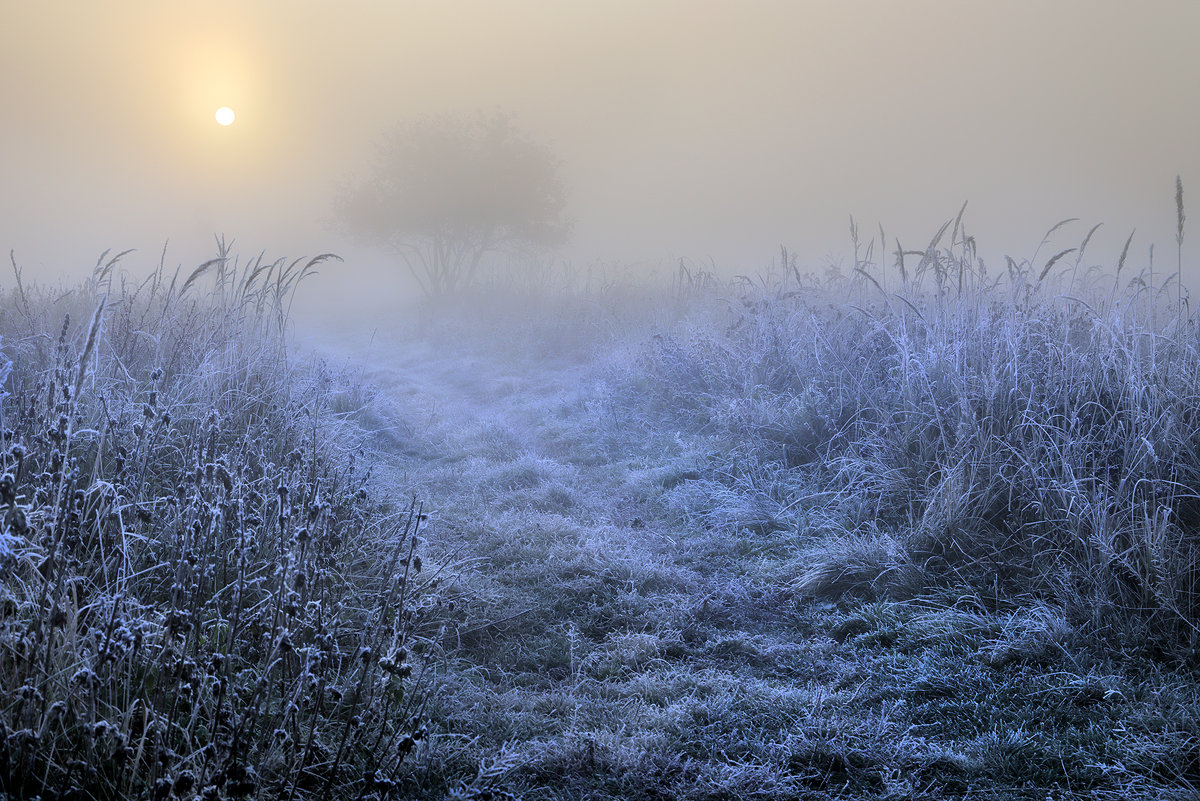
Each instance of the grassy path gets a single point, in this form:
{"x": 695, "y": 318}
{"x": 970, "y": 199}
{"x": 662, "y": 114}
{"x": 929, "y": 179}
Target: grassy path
{"x": 606, "y": 645}
{"x": 605, "y": 650}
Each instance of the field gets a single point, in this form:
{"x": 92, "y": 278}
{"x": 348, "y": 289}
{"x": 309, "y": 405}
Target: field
{"x": 912, "y": 530}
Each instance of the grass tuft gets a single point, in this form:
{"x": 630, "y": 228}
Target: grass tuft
{"x": 200, "y": 597}
{"x": 1028, "y": 438}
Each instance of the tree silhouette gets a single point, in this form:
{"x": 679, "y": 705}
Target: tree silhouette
{"x": 444, "y": 192}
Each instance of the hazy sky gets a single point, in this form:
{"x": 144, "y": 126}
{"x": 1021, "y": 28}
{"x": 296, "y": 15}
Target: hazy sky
{"x": 698, "y": 129}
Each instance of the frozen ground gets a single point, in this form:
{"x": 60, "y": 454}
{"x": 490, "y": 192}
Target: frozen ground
{"x": 623, "y": 625}
{"x": 775, "y": 539}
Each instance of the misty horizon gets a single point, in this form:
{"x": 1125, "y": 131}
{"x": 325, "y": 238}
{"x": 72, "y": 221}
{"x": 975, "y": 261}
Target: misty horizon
{"x": 715, "y": 135}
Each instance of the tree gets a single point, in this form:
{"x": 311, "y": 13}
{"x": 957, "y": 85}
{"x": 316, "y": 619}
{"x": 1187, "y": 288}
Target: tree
{"x": 444, "y": 192}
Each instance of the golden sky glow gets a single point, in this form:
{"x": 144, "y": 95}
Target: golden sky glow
{"x": 695, "y": 129}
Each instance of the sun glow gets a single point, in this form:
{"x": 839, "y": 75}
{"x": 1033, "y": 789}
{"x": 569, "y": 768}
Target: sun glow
{"x": 225, "y": 115}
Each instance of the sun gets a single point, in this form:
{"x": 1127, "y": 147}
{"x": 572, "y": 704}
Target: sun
{"x": 225, "y": 115}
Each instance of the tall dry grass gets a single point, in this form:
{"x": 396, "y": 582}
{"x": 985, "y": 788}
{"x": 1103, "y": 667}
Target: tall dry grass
{"x": 199, "y": 597}
{"x": 1028, "y": 437}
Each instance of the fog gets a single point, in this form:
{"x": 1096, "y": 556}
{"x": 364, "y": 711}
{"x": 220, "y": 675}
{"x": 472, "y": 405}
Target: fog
{"x": 712, "y": 131}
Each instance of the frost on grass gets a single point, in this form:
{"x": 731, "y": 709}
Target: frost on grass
{"x": 1026, "y": 436}
{"x": 201, "y": 594}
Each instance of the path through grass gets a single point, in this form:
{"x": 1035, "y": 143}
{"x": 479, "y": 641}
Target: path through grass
{"x": 609, "y": 644}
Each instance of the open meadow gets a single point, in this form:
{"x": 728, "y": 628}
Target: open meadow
{"x": 535, "y": 432}
{"x": 915, "y": 529}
